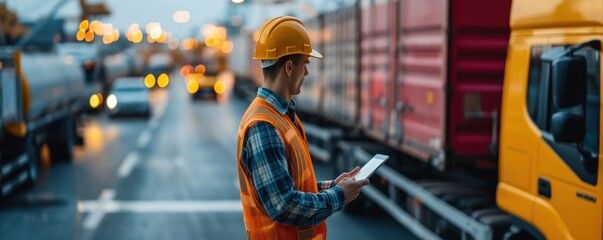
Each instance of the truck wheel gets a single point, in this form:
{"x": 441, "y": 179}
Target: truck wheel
{"x": 61, "y": 141}
{"x": 515, "y": 232}
{"x": 32, "y": 166}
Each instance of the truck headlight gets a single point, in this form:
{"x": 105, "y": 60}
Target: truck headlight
{"x": 95, "y": 100}
{"x": 192, "y": 86}
{"x": 163, "y": 80}
{"x": 219, "y": 87}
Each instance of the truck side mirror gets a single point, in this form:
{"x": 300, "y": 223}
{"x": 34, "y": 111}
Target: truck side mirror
{"x": 568, "y": 127}
{"x": 569, "y": 81}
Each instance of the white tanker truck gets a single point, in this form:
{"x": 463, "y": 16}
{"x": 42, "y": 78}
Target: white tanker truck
{"x": 40, "y": 96}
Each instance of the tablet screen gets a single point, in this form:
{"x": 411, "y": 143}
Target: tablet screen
{"x": 371, "y": 166}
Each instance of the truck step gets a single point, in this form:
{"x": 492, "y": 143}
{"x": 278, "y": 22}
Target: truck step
{"x": 12, "y": 165}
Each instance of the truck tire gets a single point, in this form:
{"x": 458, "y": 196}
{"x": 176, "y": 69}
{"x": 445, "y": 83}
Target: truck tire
{"x": 31, "y": 149}
{"x": 61, "y": 140}
{"x": 514, "y": 232}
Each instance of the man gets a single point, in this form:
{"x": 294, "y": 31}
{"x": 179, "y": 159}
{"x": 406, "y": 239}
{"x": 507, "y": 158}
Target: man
{"x": 279, "y": 192}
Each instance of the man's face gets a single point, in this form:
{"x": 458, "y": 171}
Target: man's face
{"x": 298, "y": 72}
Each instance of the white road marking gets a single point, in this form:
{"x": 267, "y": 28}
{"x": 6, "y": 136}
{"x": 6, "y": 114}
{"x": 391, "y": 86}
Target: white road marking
{"x": 144, "y": 138}
{"x": 216, "y": 206}
{"x": 128, "y": 164}
{"x": 164, "y": 163}
{"x": 104, "y": 205}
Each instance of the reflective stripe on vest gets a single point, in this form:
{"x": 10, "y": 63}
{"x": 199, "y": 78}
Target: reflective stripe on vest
{"x": 258, "y": 223}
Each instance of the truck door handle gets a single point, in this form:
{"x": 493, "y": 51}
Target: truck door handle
{"x": 544, "y": 187}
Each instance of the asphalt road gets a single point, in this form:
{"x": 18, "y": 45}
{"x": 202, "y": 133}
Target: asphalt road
{"x": 171, "y": 176}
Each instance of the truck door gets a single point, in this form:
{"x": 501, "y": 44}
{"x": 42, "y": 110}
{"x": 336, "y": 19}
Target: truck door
{"x": 566, "y": 181}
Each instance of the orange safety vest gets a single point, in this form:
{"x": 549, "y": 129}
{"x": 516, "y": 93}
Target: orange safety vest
{"x": 258, "y": 223}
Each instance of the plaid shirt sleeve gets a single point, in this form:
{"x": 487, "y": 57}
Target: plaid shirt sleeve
{"x": 324, "y": 185}
{"x": 265, "y": 159}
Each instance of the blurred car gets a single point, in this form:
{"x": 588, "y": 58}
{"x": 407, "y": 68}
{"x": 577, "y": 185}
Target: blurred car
{"x": 129, "y": 96}
{"x": 204, "y": 85}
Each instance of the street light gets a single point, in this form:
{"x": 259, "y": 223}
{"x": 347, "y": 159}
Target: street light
{"x": 181, "y": 16}
{"x": 238, "y": 1}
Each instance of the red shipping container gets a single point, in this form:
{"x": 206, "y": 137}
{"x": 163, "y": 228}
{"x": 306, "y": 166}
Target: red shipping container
{"x": 341, "y": 61}
{"x": 449, "y": 76}
{"x": 478, "y": 46}
{"x": 420, "y": 91}
{"x": 375, "y": 66}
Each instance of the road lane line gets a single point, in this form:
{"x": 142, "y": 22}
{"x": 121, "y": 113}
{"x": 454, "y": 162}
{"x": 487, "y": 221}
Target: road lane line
{"x": 104, "y": 205}
{"x": 144, "y": 139}
{"x": 128, "y": 164}
{"x": 210, "y": 206}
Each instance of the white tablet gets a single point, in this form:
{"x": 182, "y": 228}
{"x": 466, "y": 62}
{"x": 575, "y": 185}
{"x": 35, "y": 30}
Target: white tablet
{"x": 371, "y": 166}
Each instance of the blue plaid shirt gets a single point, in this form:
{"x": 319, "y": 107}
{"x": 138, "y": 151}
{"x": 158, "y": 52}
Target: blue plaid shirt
{"x": 264, "y": 158}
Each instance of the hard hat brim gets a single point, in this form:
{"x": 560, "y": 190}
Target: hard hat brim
{"x": 315, "y": 54}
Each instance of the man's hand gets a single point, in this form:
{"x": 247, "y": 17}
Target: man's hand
{"x": 351, "y": 188}
{"x": 347, "y": 175}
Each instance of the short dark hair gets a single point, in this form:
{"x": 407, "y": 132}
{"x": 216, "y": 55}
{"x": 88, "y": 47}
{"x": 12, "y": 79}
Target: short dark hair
{"x": 272, "y": 71}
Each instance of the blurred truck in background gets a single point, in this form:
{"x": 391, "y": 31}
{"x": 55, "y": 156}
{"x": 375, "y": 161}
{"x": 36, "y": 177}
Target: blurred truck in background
{"x": 44, "y": 94}
{"x": 204, "y": 72}
{"x": 117, "y": 64}
{"x": 158, "y": 69}
{"x": 101, "y": 68}
{"x": 88, "y": 57}
{"x": 247, "y": 71}
{"x": 41, "y": 100}
{"x": 489, "y": 111}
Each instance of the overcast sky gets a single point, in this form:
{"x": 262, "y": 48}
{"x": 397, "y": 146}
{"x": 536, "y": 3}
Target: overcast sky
{"x": 126, "y": 12}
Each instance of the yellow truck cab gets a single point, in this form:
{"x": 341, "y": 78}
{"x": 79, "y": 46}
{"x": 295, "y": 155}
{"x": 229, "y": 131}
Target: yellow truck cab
{"x": 550, "y": 178}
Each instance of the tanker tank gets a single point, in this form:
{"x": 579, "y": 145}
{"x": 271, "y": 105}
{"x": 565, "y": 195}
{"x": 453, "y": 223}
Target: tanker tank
{"x": 52, "y": 82}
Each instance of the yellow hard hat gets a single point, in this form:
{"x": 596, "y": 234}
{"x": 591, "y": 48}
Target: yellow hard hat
{"x": 282, "y": 36}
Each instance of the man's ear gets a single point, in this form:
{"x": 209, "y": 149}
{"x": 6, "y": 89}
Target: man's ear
{"x": 289, "y": 67}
